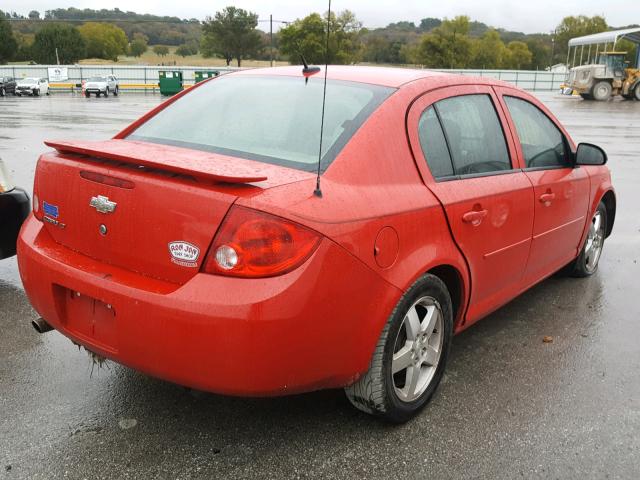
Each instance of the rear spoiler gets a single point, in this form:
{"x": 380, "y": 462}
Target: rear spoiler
{"x": 196, "y": 163}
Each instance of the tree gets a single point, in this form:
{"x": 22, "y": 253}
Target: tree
{"x": 488, "y": 52}
{"x": 67, "y": 39}
{"x": 540, "y": 49}
{"x": 8, "y": 44}
{"x": 308, "y": 37}
{"x": 231, "y": 33}
{"x": 427, "y": 24}
{"x": 104, "y": 40}
{"x": 161, "y": 50}
{"x": 187, "y": 49}
{"x": 518, "y": 56}
{"x": 380, "y": 49}
{"x": 34, "y": 15}
{"x": 138, "y": 45}
{"x": 572, "y": 27}
{"x": 25, "y": 44}
{"x": 447, "y": 46}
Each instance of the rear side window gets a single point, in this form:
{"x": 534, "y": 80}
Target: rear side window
{"x": 543, "y": 144}
{"x": 474, "y": 134}
{"x": 270, "y": 119}
{"x": 434, "y": 144}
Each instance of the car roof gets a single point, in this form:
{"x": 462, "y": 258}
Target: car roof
{"x": 384, "y": 76}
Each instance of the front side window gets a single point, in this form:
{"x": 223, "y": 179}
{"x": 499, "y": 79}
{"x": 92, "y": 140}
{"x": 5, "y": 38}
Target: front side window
{"x": 273, "y": 119}
{"x": 474, "y": 135}
{"x": 543, "y": 145}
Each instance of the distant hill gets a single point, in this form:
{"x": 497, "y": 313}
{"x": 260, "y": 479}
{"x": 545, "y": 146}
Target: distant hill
{"x": 163, "y": 30}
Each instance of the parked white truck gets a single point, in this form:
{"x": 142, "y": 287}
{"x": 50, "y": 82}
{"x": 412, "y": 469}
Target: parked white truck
{"x": 102, "y": 86}
{"x": 32, "y": 86}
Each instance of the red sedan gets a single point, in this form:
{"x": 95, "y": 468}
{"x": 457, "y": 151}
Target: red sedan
{"x": 192, "y": 246}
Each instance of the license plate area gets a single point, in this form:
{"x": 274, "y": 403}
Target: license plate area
{"x": 88, "y": 318}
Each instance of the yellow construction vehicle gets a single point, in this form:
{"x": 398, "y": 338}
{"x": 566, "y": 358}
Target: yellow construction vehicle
{"x": 605, "y": 73}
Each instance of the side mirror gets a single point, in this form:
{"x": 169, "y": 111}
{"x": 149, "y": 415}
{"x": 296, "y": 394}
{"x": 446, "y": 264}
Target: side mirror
{"x": 588, "y": 154}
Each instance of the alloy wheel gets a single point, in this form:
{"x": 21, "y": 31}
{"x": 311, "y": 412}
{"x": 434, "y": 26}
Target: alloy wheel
{"x": 595, "y": 241}
{"x": 417, "y": 349}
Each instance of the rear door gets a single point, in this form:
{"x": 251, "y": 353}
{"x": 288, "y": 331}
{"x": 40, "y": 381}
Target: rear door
{"x": 469, "y": 163}
{"x": 561, "y": 190}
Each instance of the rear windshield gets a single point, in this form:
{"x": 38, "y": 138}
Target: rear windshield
{"x": 97, "y": 79}
{"x": 270, "y": 119}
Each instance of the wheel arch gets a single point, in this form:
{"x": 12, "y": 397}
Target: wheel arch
{"x": 453, "y": 280}
{"x": 609, "y": 200}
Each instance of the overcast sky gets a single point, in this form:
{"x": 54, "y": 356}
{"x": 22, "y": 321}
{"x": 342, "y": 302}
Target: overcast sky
{"x": 521, "y": 15}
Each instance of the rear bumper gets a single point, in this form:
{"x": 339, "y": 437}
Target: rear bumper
{"x": 313, "y": 328}
{"x": 14, "y": 209}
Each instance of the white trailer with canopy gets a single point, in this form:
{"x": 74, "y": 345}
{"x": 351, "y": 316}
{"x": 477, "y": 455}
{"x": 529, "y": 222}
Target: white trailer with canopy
{"x": 597, "y": 70}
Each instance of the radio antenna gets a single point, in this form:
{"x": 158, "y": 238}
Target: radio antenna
{"x": 318, "y": 192}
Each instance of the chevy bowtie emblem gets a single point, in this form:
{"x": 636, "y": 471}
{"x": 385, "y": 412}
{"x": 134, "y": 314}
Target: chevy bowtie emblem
{"x": 102, "y": 204}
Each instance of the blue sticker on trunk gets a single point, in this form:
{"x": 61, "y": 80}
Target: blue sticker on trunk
{"x": 50, "y": 210}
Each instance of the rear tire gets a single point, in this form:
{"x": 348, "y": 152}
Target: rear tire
{"x": 415, "y": 345}
{"x": 97, "y": 94}
{"x": 36, "y": 93}
{"x": 601, "y": 91}
{"x": 587, "y": 262}
{"x": 636, "y": 92}
{"x": 3, "y": 92}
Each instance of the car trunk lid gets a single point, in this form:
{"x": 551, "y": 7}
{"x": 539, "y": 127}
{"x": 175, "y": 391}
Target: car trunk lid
{"x": 144, "y": 207}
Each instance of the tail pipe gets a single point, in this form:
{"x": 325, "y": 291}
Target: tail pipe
{"x": 41, "y": 326}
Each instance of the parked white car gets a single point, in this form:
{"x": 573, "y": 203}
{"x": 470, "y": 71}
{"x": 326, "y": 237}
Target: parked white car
{"x": 101, "y": 86}
{"x": 32, "y": 86}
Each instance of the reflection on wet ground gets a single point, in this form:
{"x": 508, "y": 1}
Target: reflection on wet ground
{"x": 510, "y": 405}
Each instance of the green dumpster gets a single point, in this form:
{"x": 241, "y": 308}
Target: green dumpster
{"x": 201, "y": 75}
{"x": 170, "y": 82}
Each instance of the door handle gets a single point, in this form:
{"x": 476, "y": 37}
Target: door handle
{"x": 546, "y": 198}
{"x": 474, "y": 217}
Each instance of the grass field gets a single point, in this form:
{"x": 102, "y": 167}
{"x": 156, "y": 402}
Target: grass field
{"x": 150, "y": 58}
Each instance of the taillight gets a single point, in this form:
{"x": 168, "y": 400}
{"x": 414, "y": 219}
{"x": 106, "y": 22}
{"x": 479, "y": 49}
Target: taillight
{"x": 36, "y": 204}
{"x": 256, "y": 244}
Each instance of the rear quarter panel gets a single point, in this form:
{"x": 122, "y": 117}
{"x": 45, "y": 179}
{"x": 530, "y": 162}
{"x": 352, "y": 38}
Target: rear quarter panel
{"x": 374, "y": 185}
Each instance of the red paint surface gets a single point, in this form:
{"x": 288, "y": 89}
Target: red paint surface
{"x": 383, "y": 221}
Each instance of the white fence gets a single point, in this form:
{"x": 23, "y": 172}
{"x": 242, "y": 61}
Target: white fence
{"x": 126, "y": 74}
{"x": 534, "y": 80}
{"x": 527, "y": 79}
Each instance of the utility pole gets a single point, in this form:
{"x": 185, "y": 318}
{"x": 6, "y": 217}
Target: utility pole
{"x": 57, "y": 57}
{"x": 271, "y": 37}
{"x": 553, "y": 47}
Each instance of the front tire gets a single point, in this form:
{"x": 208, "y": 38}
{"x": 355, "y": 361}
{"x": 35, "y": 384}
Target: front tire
{"x": 601, "y": 91}
{"x": 410, "y": 357}
{"x": 587, "y": 262}
{"x": 636, "y": 92}
{"x": 116, "y": 92}
{"x": 106, "y": 92}
{"x": 87, "y": 94}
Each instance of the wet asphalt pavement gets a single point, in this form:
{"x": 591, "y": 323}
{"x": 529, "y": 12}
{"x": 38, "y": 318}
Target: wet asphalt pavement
{"x": 510, "y": 406}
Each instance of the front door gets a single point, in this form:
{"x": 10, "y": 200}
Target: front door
{"x": 561, "y": 191}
